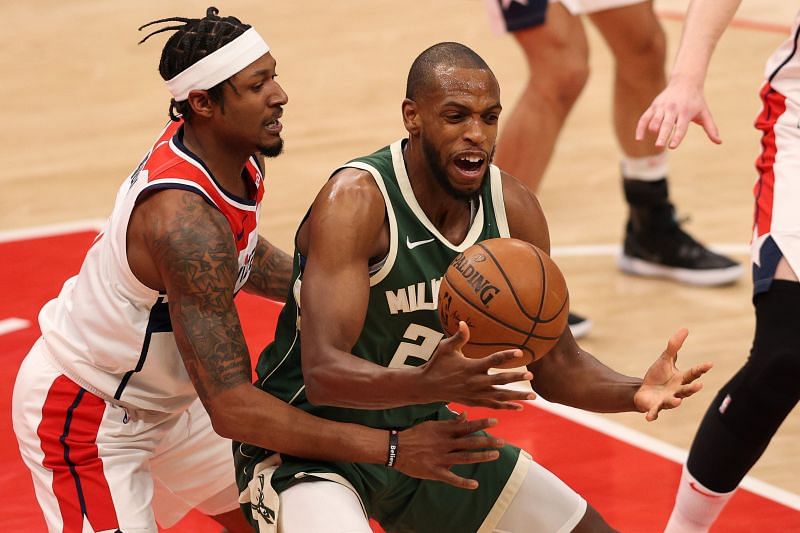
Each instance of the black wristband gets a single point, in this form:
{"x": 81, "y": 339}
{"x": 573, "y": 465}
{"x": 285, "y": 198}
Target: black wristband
{"x": 391, "y": 457}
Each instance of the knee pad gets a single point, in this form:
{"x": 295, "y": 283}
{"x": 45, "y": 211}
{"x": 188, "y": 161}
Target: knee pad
{"x": 749, "y": 409}
{"x": 766, "y": 389}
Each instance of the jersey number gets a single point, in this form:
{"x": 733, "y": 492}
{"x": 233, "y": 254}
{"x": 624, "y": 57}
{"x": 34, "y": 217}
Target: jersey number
{"x": 413, "y": 351}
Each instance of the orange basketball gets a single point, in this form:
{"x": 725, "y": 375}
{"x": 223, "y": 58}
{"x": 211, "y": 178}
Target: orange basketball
{"x": 510, "y": 294}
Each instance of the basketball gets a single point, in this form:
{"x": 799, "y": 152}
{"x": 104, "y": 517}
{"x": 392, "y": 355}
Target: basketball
{"x": 510, "y": 294}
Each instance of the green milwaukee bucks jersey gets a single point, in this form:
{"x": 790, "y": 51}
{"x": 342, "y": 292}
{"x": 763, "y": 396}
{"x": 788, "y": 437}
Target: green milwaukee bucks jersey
{"x": 402, "y": 325}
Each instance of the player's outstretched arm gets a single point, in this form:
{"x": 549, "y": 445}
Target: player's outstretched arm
{"x": 344, "y": 232}
{"x": 271, "y": 272}
{"x": 190, "y": 246}
{"x": 572, "y": 376}
{"x": 665, "y": 386}
{"x": 683, "y": 102}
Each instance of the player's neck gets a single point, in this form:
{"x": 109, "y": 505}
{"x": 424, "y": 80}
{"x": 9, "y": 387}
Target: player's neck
{"x": 452, "y": 215}
{"x": 223, "y": 160}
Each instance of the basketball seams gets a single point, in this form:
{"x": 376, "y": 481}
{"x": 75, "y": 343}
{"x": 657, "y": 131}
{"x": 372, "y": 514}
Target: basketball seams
{"x": 508, "y": 283}
{"x": 466, "y": 300}
{"x": 560, "y": 309}
{"x": 542, "y": 295}
{"x": 535, "y": 318}
{"x": 504, "y": 327}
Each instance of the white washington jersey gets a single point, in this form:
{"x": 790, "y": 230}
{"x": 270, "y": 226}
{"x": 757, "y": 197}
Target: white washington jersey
{"x": 107, "y": 331}
{"x": 783, "y": 67}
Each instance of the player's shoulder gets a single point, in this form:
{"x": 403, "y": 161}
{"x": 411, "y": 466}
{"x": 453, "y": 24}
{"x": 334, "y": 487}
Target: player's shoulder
{"x": 525, "y": 216}
{"x": 516, "y": 194}
{"x": 353, "y": 183}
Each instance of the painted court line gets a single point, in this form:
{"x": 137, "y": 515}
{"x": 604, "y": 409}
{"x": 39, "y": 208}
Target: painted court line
{"x": 605, "y": 250}
{"x": 658, "y": 447}
{"x": 746, "y": 24}
{"x": 588, "y": 250}
{"x": 590, "y": 420}
{"x": 10, "y": 325}
{"x": 51, "y": 230}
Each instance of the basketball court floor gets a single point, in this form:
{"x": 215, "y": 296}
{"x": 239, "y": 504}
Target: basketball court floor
{"x": 83, "y": 102}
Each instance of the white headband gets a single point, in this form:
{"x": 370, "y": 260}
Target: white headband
{"x": 219, "y": 65}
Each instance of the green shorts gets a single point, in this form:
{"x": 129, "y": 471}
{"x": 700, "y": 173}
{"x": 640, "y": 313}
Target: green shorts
{"x": 404, "y": 504}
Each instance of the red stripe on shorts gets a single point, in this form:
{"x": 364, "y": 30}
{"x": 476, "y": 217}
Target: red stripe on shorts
{"x": 68, "y": 433}
{"x": 774, "y": 106}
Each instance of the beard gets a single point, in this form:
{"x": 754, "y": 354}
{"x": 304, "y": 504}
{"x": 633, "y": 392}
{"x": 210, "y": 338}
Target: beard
{"x": 440, "y": 174}
{"x": 272, "y": 151}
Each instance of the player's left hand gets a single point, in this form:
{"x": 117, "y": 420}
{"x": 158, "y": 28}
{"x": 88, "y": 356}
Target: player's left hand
{"x": 665, "y": 386}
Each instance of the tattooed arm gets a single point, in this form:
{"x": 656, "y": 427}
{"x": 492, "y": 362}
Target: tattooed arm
{"x": 271, "y": 272}
{"x": 177, "y": 243}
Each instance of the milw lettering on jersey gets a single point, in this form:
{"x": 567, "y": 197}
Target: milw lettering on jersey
{"x": 417, "y": 297}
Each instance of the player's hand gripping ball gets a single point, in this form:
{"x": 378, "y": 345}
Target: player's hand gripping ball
{"x": 510, "y": 294}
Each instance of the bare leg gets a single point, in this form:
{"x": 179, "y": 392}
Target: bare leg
{"x": 638, "y": 43}
{"x": 557, "y": 56}
{"x": 655, "y": 245}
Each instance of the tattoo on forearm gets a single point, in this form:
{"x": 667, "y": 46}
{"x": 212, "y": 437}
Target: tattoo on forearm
{"x": 271, "y": 273}
{"x": 198, "y": 260}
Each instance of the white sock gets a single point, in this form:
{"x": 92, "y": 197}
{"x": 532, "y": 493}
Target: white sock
{"x": 647, "y": 168}
{"x": 696, "y": 507}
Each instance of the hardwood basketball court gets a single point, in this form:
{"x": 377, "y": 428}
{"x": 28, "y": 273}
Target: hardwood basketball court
{"x": 83, "y": 102}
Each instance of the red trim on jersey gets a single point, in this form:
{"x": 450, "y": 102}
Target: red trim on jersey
{"x": 68, "y": 434}
{"x": 166, "y": 162}
{"x": 774, "y": 106}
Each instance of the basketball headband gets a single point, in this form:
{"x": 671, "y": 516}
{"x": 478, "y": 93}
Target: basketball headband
{"x": 219, "y": 65}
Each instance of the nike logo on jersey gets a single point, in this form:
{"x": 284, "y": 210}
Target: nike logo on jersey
{"x": 412, "y": 245}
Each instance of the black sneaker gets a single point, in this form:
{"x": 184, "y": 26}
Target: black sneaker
{"x": 578, "y": 325}
{"x": 669, "y": 252}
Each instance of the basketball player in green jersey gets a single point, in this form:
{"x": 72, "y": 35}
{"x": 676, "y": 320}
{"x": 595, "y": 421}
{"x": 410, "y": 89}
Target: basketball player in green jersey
{"x": 370, "y": 256}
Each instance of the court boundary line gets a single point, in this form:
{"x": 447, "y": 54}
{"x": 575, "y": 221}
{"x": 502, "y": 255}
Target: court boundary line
{"x": 593, "y": 421}
{"x": 740, "y": 23}
{"x": 658, "y": 447}
{"x": 95, "y": 224}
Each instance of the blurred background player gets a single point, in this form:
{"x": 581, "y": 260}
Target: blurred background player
{"x": 554, "y": 42}
{"x": 748, "y": 410}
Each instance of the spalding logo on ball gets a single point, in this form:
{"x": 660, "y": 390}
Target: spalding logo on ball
{"x": 510, "y": 294}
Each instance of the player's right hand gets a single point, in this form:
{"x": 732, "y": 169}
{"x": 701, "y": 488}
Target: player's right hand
{"x": 449, "y": 376}
{"x": 670, "y": 114}
{"x": 429, "y": 449}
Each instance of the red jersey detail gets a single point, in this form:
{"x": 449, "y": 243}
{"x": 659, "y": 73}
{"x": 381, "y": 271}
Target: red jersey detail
{"x": 774, "y": 106}
{"x": 171, "y": 165}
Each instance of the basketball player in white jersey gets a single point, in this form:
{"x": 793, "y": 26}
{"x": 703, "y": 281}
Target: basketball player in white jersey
{"x": 553, "y": 39}
{"x": 750, "y": 408}
{"x": 142, "y": 362}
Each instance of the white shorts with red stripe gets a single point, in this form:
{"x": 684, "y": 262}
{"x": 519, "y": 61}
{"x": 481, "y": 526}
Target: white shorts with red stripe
{"x": 776, "y": 228}
{"x": 99, "y": 467}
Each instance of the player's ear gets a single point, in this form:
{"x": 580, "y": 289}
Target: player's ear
{"x": 411, "y": 119}
{"x": 200, "y": 103}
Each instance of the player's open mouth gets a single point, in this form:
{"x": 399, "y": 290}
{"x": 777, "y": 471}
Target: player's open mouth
{"x": 274, "y": 126}
{"x": 469, "y": 164}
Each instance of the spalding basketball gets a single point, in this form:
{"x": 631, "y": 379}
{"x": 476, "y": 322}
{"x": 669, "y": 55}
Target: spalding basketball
{"x": 510, "y": 294}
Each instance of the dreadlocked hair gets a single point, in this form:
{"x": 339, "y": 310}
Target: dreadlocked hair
{"x": 193, "y": 40}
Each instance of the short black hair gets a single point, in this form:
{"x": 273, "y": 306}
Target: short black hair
{"x": 448, "y": 53}
{"x": 193, "y": 40}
